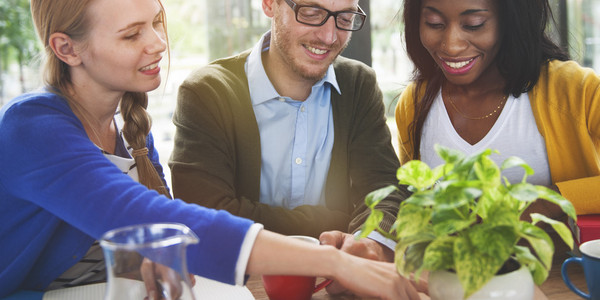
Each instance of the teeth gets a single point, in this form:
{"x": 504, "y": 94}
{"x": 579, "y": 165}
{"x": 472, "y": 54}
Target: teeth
{"x": 150, "y": 67}
{"x": 316, "y": 51}
{"x": 458, "y": 65}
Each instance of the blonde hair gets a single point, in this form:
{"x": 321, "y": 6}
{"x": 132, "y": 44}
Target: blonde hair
{"x": 70, "y": 17}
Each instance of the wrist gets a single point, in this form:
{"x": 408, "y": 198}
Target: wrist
{"x": 331, "y": 259}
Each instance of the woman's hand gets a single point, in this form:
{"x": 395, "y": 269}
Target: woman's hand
{"x": 276, "y": 254}
{"x": 162, "y": 282}
{"x": 372, "y": 278}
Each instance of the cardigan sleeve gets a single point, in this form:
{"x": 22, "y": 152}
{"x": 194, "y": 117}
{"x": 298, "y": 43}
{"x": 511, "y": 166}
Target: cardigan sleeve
{"x": 566, "y": 104}
{"x": 49, "y": 163}
{"x": 363, "y": 157}
{"x": 216, "y": 158}
{"x": 404, "y": 117}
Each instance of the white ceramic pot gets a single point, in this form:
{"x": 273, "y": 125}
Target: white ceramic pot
{"x": 516, "y": 285}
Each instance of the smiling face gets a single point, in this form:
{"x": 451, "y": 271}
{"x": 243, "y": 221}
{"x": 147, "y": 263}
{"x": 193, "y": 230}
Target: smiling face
{"x": 124, "y": 46}
{"x": 462, "y": 36}
{"x": 307, "y": 51}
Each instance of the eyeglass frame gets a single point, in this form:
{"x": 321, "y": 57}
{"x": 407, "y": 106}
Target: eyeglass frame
{"x": 296, "y": 7}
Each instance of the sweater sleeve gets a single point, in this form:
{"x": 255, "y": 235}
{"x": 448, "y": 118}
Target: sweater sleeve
{"x": 371, "y": 162}
{"x": 404, "y": 117}
{"x": 567, "y": 105}
{"x": 48, "y": 161}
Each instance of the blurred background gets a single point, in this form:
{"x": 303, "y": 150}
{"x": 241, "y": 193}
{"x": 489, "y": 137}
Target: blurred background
{"x": 203, "y": 30}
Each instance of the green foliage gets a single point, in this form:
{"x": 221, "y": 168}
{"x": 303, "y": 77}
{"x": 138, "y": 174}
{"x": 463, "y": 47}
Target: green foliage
{"x": 17, "y": 36}
{"x": 462, "y": 217}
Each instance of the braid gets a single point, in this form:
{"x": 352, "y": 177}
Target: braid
{"x": 136, "y": 128}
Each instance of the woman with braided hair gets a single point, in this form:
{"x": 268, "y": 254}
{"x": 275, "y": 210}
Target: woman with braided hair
{"x": 73, "y": 156}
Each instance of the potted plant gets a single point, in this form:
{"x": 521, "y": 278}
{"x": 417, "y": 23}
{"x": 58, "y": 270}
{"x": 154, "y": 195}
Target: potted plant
{"x": 465, "y": 218}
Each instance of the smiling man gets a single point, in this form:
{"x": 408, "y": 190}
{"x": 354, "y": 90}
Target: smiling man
{"x": 289, "y": 133}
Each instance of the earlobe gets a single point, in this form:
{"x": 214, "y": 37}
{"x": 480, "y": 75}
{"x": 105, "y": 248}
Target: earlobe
{"x": 267, "y": 6}
{"x": 63, "y": 47}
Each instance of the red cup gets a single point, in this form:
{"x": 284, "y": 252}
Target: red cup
{"x": 286, "y": 287}
{"x": 283, "y": 287}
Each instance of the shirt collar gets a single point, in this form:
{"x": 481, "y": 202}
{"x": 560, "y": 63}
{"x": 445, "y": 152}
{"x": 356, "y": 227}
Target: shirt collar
{"x": 261, "y": 88}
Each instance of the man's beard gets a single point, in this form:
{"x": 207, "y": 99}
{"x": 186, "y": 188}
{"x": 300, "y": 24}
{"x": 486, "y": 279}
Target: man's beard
{"x": 283, "y": 42}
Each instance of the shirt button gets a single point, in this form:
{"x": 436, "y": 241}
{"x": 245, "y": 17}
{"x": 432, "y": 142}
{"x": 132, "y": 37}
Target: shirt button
{"x": 281, "y": 99}
{"x": 302, "y": 108}
{"x": 298, "y": 160}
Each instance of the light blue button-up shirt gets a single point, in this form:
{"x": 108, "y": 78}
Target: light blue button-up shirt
{"x": 296, "y": 137}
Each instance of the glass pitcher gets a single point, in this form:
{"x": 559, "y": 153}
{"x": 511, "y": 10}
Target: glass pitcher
{"x": 148, "y": 255}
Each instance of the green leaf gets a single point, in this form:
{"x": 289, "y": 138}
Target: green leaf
{"x": 474, "y": 269}
{"x": 414, "y": 256}
{"x": 487, "y": 172}
{"x": 563, "y": 231}
{"x": 523, "y": 192}
{"x": 537, "y": 270}
{"x": 412, "y": 219}
{"x": 500, "y": 215}
{"x": 371, "y": 223}
{"x": 464, "y": 169}
{"x": 374, "y": 197}
{"x": 450, "y": 156}
{"x": 417, "y": 174}
{"x": 423, "y": 198}
{"x": 489, "y": 201}
{"x": 441, "y": 170}
{"x": 556, "y": 198}
{"x": 495, "y": 241}
{"x": 408, "y": 264}
{"x": 439, "y": 254}
{"x": 451, "y": 218}
{"x": 514, "y": 161}
{"x": 452, "y": 194}
{"x": 451, "y": 226}
{"x": 540, "y": 242}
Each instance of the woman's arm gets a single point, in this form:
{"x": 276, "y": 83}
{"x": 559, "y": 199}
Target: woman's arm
{"x": 275, "y": 254}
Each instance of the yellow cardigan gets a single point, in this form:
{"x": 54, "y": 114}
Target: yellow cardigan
{"x": 566, "y": 106}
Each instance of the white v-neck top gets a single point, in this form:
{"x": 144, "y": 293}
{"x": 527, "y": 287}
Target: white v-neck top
{"x": 515, "y": 133}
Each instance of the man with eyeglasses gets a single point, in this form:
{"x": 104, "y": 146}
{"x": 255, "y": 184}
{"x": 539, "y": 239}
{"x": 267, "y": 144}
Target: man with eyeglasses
{"x": 289, "y": 133}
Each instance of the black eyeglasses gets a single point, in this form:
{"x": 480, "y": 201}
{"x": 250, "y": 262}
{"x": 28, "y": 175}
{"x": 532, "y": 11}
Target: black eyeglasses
{"x": 317, "y": 16}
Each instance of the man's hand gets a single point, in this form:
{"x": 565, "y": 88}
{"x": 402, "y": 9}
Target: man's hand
{"x": 366, "y": 248}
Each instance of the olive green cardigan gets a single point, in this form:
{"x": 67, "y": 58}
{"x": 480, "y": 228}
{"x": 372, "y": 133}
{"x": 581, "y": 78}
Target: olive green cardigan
{"x": 216, "y": 159}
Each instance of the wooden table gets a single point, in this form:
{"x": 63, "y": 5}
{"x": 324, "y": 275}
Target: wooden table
{"x": 553, "y": 288}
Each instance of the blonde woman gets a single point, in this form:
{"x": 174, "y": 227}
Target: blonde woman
{"x": 72, "y": 156}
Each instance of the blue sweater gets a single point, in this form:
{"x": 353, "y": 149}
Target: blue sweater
{"x": 58, "y": 194}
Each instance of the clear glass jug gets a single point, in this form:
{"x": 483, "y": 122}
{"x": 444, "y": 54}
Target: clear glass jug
{"x": 148, "y": 255}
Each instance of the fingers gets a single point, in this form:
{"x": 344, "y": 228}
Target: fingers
{"x": 172, "y": 281}
{"x": 365, "y": 248}
{"x": 368, "y": 278}
{"x": 148, "y": 275}
{"x": 160, "y": 281}
{"x": 192, "y": 280}
{"x": 422, "y": 284}
{"x": 398, "y": 287}
{"x": 333, "y": 238}
{"x": 335, "y": 288}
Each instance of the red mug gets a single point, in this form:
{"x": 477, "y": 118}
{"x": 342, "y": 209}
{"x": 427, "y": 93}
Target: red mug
{"x": 286, "y": 287}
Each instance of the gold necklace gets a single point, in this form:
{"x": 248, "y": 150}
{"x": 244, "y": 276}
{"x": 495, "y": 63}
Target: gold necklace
{"x": 84, "y": 114}
{"x": 504, "y": 97}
